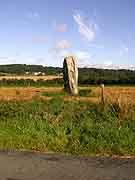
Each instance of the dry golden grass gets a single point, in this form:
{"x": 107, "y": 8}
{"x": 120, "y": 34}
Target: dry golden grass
{"x": 24, "y": 93}
{"x": 122, "y": 100}
{"x": 27, "y": 93}
{"x": 122, "y": 95}
{"x": 35, "y": 78}
{"x": 114, "y": 93}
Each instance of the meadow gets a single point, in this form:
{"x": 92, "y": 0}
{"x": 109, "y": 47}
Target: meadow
{"x": 48, "y": 119}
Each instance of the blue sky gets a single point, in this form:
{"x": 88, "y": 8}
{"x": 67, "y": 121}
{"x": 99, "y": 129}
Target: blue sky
{"x": 44, "y": 31}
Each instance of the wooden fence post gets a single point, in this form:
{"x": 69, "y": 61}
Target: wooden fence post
{"x": 103, "y": 94}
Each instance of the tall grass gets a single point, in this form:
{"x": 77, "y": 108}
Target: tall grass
{"x": 122, "y": 103}
{"x": 70, "y": 127}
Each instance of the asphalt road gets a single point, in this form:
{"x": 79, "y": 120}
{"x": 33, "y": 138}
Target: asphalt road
{"x": 38, "y": 166}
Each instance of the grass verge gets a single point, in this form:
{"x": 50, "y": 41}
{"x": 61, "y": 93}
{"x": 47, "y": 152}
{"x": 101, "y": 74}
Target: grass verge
{"x": 70, "y": 127}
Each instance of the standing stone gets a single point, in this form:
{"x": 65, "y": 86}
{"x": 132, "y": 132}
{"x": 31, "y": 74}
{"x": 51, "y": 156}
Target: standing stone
{"x": 70, "y": 75}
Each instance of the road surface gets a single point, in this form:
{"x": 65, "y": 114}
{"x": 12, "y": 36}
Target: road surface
{"x": 38, "y": 166}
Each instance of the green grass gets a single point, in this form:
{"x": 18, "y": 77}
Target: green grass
{"x": 69, "y": 127}
{"x": 54, "y": 94}
{"x": 86, "y": 93}
{"x": 82, "y": 93}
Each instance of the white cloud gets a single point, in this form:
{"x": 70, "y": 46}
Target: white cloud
{"x": 86, "y": 29}
{"x": 61, "y": 27}
{"x": 4, "y": 60}
{"x": 24, "y": 59}
{"x": 83, "y": 57}
{"x": 57, "y": 53}
{"x": 50, "y": 59}
{"x": 61, "y": 49}
{"x": 63, "y": 44}
{"x": 64, "y": 53}
{"x": 108, "y": 63}
{"x": 124, "y": 50}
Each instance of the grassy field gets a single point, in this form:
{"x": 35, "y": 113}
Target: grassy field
{"x": 114, "y": 93}
{"x": 35, "y": 78}
{"x": 48, "y": 119}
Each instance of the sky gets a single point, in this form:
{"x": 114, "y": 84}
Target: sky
{"x": 45, "y": 31}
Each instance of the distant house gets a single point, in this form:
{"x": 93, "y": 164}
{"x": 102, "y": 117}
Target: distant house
{"x": 37, "y": 73}
{"x": 60, "y": 74}
{"x": 27, "y": 73}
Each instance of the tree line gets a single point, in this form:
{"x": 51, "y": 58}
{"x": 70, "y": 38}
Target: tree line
{"x": 21, "y": 69}
{"x": 86, "y": 75}
{"x": 97, "y": 76}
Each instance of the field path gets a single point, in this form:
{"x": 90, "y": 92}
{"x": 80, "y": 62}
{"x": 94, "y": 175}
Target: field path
{"x": 38, "y": 166}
